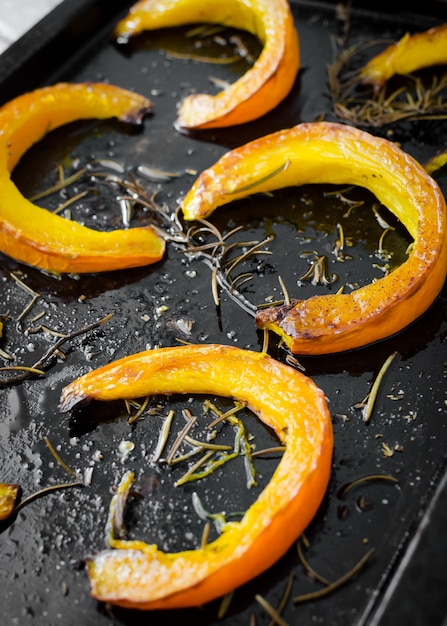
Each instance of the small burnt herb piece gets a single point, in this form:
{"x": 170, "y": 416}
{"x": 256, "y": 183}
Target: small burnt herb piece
{"x": 318, "y": 272}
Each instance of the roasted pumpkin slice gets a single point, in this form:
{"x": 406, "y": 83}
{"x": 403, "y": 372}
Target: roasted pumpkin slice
{"x": 411, "y": 53}
{"x": 334, "y": 153}
{"x": 261, "y": 88}
{"x": 37, "y": 237}
{"x": 141, "y": 576}
{"x": 9, "y": 495}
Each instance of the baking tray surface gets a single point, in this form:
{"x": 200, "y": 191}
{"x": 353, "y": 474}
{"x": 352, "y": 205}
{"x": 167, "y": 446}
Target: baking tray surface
{"x": 42, "y": 549}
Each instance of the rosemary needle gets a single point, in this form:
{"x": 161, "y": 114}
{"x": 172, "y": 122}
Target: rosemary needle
{"x": 368, "y": 408}
{"x": 308, "y": 568}
{"x": 224, "y": 605}
{"x": 277, "y": 619}
{"x": 321, "y": 593}
{"x": 45, "y": 491}
{"x": 284, "y": 599}
{"x": 360, "y": 481}
{"x": 58, "y": 458}
{"x": 180, "y": 438}
{"x": 163, "y": 438}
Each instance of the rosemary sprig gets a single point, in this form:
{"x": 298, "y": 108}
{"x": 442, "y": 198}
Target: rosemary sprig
{"x": 141, "y": 409}
{"x": 359, "y": 105}
{"x": 318, "y": 272}
{"x": 242, "y": 444}
{"x": 193, "y": 473}
{"x": 36, "y": 368}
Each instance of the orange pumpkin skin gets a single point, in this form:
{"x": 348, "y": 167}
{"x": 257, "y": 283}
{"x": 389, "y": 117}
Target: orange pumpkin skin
{"x": 262, "y": 87}
{"x": 139, "y": 575}
{"x": 323, "y": 152}
{"x": 58, "y": 245}
{"x": 411, "y": 53}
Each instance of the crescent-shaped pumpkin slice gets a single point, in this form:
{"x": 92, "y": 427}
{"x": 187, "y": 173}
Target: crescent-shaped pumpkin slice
{"x": 35, "y": 236}
{"x": 324, "y": 152}
{"x": 411, "y": 53}
{"x": 141, "y": 576}
{"x": 262, "y": 87}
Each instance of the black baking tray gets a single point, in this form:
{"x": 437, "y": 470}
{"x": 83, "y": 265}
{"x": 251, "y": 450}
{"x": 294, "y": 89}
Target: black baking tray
{"x": 42, "y": 550}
